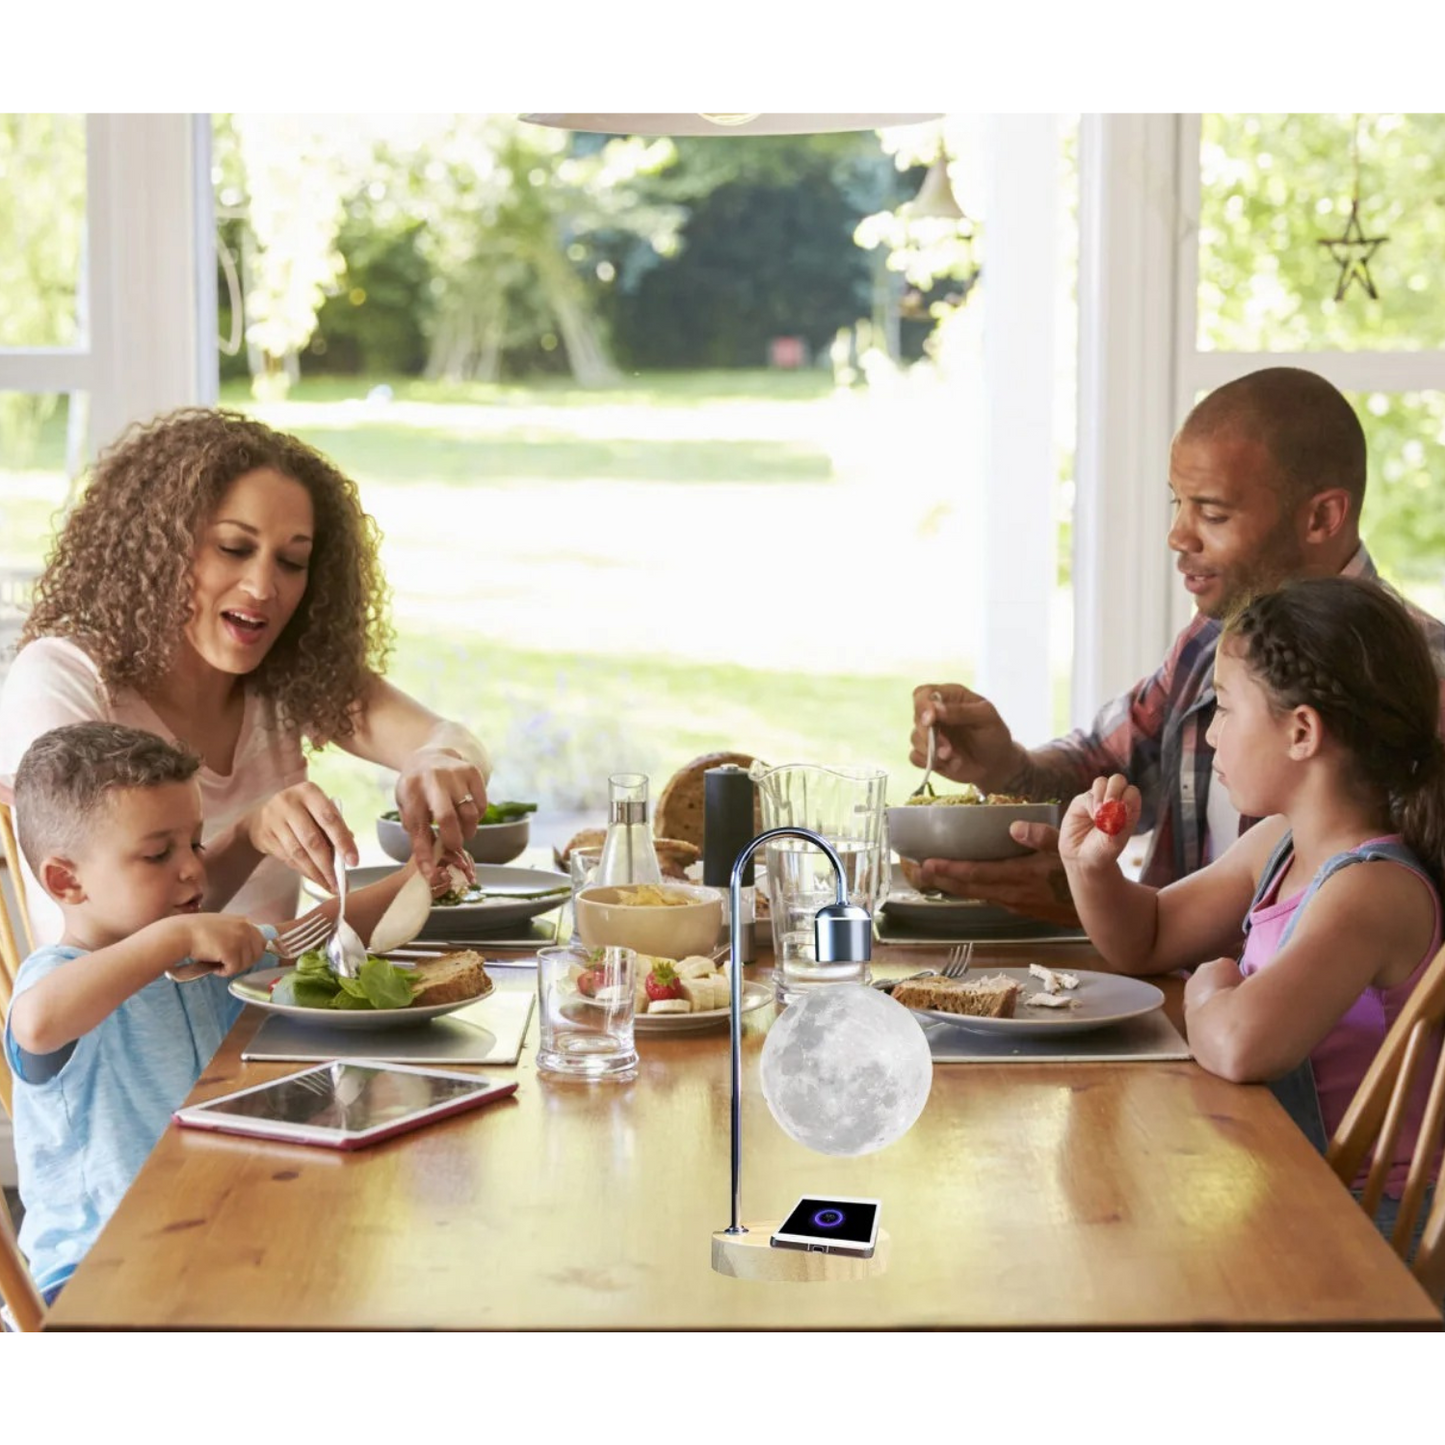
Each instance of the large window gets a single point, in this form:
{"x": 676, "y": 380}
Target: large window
{"x": 1270, "y": 190}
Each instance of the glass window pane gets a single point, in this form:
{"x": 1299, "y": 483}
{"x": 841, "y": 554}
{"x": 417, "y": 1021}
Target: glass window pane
{"x": 1272, "y": 187}
{"x": 42, "y": 229}
{"x": 42, "y": 438}
{"x": 1404, "y": 516}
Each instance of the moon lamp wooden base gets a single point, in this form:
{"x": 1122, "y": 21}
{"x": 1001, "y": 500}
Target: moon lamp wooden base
{"x": 750, "y": 1256}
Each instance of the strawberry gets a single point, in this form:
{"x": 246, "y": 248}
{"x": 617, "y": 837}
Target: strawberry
{"x": 663, "y": 982}
{"x": 1110, "y": 816}
{"x": 589, "y": 981}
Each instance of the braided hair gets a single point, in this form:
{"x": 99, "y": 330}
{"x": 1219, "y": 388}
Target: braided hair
{"x": 1348, "y": 648}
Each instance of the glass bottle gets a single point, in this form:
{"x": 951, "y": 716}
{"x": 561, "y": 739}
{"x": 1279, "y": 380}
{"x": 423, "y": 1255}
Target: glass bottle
{"x": 627, "y": 854}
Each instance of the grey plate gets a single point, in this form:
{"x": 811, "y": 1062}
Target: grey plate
{"x": 952, "y": 915}
{"x": 254, "y": 989}
{"x": 498, "y": 911}
{"x": 1104, "y": 998}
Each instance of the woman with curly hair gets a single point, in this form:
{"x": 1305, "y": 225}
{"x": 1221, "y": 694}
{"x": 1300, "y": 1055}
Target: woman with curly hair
{"x": 218, "y": 584}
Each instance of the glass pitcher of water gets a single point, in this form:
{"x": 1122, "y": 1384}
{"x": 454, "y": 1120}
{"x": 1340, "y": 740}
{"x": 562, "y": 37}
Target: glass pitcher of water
{"x": 849, "y": 807}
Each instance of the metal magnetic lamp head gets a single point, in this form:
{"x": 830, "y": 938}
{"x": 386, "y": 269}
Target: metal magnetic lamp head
{"x": 843, "y": 933}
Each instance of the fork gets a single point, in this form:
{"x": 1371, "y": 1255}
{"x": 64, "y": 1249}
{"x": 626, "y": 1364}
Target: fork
{"x": 960, "y": 957}
{"x": 310, "y": 933}
{"x": 925, "y": 788}
{"x": 345, "y": 951}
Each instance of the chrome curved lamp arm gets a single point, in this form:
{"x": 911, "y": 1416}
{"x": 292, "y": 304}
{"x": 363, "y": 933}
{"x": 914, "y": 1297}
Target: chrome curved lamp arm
{"x": 841, "y": 931}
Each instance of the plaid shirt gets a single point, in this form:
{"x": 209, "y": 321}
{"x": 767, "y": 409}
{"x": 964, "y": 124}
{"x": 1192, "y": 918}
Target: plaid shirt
{"x": 1154, "y": 735}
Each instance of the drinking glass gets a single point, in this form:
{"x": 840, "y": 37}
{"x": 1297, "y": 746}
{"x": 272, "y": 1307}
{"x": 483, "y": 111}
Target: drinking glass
{"x": 849, "y": 807}
{"x": 585, "y": 1025}
{"x": 582, "y": 865}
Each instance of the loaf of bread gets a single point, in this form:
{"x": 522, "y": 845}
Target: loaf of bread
{"x": 674, "y": 855}
{"x": 679, "y": 812}
{"x": 450, "y": 978}
{"x": 994, "y": 997}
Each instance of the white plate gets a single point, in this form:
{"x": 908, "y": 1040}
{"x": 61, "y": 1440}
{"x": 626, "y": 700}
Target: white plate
{"x": 1103, "y": 998}
{"x": 254, "y": 989}
{"x": 755, "y": 995}
{"x": 502, "y": 908}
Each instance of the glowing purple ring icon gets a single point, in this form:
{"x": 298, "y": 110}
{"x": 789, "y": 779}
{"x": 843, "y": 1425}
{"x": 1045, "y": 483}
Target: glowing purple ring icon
{"x": 828, "y": 1218}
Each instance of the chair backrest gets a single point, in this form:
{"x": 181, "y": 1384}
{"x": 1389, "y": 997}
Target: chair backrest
{"x": 17, "y": 1288}
{"x": 15, "y": 943}
{"x": 1376, "y": 1113}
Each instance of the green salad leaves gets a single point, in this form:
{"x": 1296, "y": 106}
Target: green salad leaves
{"x": 313, "y": 985}
{"x": 496, "y": 813}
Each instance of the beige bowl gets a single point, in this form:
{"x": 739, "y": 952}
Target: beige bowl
{"x": 668, "y": 932}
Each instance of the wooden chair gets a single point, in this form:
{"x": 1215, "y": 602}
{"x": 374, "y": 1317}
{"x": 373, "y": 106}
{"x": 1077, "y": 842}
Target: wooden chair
{"x": 17, "y": 1288}
{"x": 14, "y": 946}
{"x": 1374, "y": 1118}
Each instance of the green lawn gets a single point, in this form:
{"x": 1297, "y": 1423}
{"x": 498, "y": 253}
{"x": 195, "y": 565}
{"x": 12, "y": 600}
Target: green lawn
{"x": 559, "y": 717}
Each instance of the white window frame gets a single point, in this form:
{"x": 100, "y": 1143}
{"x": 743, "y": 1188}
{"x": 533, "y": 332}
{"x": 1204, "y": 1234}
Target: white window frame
{"x": 1140, "y": 368}
{"x": 147, "y": 302}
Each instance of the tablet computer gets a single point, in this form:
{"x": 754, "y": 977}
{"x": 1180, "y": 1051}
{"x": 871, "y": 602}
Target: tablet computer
{"x": 343, "y": 1104}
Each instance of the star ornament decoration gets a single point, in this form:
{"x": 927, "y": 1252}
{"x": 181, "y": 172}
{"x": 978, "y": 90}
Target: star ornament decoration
{"x": 1353, "y": 251}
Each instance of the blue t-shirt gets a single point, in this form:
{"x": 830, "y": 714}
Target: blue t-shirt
{"x": 87, "y": 1115}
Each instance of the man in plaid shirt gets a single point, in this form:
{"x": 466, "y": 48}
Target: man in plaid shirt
{"x": 1268, "y": 477}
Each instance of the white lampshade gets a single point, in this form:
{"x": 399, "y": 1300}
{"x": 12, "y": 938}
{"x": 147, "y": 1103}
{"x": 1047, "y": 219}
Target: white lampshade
{"x": 935, "y": 200}
{"x": 719, "y": 124}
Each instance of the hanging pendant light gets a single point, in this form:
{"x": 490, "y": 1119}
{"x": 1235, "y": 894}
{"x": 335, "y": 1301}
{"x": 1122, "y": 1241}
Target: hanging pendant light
{"x": 935, "y": 200}
{"x": 738, "y": 123}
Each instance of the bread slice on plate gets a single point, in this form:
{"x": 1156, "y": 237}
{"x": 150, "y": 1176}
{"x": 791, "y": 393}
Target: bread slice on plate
{"x": 450, "y": 978}
{"x": 993, "y": 998}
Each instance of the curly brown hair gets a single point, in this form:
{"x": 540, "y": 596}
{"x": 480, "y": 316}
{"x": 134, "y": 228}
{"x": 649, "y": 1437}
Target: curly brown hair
{"x": 118, "y": 580}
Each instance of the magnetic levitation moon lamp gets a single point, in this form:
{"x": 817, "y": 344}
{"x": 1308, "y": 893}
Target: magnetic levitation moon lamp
{"x": 866, "y": 1050}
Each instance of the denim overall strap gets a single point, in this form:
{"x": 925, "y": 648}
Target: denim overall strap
{"x": 1367, "y": 853}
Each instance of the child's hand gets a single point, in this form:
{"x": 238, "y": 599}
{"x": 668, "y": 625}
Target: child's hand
{"x": 1098, "y": 825}
{"x": 224, "y": 943}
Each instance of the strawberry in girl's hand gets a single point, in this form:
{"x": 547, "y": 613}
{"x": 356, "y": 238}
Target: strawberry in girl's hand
{"x": 1111, "y": 816}
{"x": 662, "y": 983}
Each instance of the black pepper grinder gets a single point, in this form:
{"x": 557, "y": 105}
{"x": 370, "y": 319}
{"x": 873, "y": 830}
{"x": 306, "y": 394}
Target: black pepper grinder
{"x": 727, "y": 828}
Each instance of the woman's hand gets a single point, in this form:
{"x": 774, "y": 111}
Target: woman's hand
{"x": 1098, "y": 825}
{"x": 438, "y": 786}
{"x": 301, "y": 826}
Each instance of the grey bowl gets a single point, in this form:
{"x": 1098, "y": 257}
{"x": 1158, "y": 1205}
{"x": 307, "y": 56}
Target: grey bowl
{"x": 491, "y": 843}
{"x": 965, "y": 832}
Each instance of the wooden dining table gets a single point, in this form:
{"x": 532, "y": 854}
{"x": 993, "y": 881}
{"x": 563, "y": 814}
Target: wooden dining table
{"x": 1026, "y": 1195}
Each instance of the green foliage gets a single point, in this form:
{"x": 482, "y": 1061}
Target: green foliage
{"x": 42, "y": 228}
{"x": 379, "y": 318}
{"x": 1272, "y": 187}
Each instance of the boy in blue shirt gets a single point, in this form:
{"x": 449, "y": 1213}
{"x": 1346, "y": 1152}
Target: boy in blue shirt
{"x": 104, "y": 1047}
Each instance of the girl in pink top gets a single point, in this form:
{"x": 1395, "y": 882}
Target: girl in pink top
{"x": 218, "y": 584}
{"x": 1325, "y": 725}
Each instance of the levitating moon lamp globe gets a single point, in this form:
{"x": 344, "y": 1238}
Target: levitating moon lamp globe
{"x": 845, "y": 1071}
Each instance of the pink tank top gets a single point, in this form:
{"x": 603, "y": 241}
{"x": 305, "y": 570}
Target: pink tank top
{"x": 1341, "y": 1059}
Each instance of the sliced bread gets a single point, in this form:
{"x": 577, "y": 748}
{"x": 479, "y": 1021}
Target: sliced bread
{"x": 450, "y": 978}
{"x": 994, "y": 997}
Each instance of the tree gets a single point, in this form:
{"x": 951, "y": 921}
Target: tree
{"x": 1272, "y": 186}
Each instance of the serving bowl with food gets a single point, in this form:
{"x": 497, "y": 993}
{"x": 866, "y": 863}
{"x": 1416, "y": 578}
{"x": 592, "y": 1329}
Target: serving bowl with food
{"x": 502, "y": 834}
{"x": 667, "y": 920}
{"x": 968, "y": 826}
